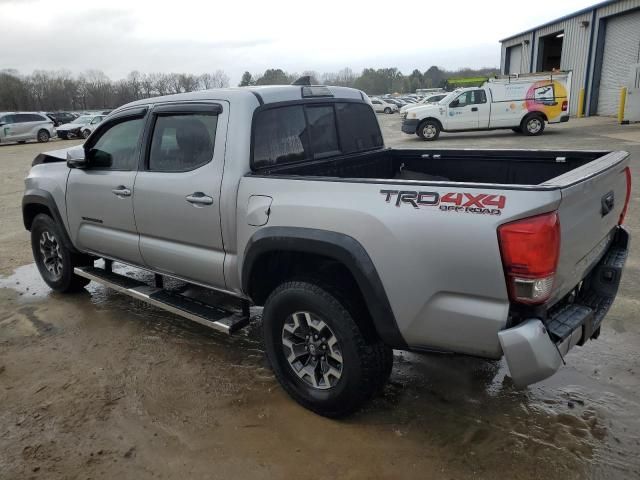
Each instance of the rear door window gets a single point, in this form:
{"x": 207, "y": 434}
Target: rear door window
{"x": 182, "y": 142}
{"x": 22, "y": 118}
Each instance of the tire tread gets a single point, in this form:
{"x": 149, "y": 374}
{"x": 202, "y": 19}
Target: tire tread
{"x": 375, "y": 357}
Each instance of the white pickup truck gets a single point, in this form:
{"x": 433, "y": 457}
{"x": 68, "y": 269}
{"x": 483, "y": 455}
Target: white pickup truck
{"x": 522, "y": 103}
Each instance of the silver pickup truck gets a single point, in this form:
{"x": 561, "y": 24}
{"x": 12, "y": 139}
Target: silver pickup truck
{"x": 286, "y": 197}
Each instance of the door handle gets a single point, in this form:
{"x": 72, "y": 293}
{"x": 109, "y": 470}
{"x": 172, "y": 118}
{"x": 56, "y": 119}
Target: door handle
{"x": 121, "y": 191}
{"x": 474, "y": 109}
{"x": 199, "y": 198}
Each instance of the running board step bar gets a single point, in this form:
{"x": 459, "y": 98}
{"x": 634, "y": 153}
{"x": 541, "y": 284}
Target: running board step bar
{"x": 205, "y": 314}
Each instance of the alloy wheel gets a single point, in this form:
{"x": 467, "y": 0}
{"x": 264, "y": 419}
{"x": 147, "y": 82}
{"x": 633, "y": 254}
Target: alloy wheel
{"x": 51, "y": 256}
{"x": 312, "y": 350}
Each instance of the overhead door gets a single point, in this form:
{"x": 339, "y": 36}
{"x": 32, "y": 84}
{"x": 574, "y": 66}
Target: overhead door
{"x": 514, "y": 59}
{"x": 621, "y": 51}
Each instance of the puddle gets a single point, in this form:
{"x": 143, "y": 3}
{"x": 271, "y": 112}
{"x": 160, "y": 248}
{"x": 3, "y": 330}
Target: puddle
{"x": 582, "y": 423}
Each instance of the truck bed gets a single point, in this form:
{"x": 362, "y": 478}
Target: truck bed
{"x": 502, "y": 167}
{"x": 369, "y": 198}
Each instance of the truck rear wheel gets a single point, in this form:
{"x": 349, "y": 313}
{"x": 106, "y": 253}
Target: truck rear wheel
{"x": 53, "y": 259}
{"x": 429, "y": 130}
{"x": 533, "y": 125}
{"x": 317, "y": 351}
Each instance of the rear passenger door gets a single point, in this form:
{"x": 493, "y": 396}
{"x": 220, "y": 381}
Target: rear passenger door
{"x": 177, "y": 192}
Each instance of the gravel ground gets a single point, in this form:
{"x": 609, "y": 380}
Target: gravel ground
{"x": 97, "y": 385}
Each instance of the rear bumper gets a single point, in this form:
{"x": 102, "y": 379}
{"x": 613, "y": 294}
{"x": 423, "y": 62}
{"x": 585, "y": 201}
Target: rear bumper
{"x": 409, "y": 125}
{"x": 534, "y": 348}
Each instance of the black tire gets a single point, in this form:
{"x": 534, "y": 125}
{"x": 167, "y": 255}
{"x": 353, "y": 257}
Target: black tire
{"x": 517, "y": 130}
{"x": 63, "y": 136}
{"x": 429, "y": 130}
{"x": 387, "y": 110}
{"x": 59, "y": 277}
{"x": 366, "y": 364}
{"x": 85, "y": 134}
{"x": 532, "y": 125}
{"x": 43, "y": 136}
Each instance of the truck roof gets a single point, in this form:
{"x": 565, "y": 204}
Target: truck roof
{"x": 262, "y": 94}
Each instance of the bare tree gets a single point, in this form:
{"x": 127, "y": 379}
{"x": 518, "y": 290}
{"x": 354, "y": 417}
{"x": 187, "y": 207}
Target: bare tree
{"x": 217, "y": 79}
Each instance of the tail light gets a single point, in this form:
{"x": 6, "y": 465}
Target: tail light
{"x": 565, "y": 106}
{"x": 627, "y": 198}
{"x": 530, "y": 248}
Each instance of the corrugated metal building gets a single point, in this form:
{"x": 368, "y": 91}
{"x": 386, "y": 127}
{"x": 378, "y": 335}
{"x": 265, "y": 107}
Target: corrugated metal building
{"x": 600, "y": 44}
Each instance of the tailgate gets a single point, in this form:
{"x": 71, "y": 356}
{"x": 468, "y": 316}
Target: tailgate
{"x": 593, "y": 197}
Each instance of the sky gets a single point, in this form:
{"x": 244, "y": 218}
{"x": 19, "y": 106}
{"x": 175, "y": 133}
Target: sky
{"x": 118, "y": 36}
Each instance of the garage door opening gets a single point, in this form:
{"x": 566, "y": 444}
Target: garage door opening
{"x": 550, "y": 52}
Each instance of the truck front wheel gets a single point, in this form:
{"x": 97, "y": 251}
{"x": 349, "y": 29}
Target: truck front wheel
{"x": 429, "y": 130}
{"x": 533, "y": 125}
{"x": 53, "y": 259}
{"x": 317, "y": 351}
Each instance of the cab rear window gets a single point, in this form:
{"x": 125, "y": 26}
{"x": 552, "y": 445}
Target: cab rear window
{"x": 295, "y": 133}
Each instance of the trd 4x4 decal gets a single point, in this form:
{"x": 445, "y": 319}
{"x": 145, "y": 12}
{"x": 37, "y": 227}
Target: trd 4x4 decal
{"x": 482, "y": 203}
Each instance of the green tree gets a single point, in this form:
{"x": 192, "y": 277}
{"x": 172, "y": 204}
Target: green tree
{"x": 246, "y": 80}
{"x": 434, "y": 78}
{"x": 273, "y": 76}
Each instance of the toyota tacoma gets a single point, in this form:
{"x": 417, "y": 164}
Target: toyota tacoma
{"x": 286, "y": 197}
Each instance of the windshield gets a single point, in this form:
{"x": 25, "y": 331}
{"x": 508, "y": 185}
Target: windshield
{"x": 82, "y": 120}
{"x": 448, "y": 98}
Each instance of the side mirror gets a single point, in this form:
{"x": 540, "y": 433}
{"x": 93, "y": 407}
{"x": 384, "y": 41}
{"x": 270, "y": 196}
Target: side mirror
{"x": 99, "y": 159}
{"x": 454, "y": 104}
{"x": 76, "y": 158}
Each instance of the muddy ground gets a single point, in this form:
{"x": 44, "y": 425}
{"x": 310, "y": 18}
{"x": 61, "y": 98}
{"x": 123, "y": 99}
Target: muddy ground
{"x": 97, "y": 385}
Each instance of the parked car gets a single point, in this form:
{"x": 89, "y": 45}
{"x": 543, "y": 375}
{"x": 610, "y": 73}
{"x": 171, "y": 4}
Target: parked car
{"x": 428, "y": 99}
{"x": 382, "y": 106}
{"x": 23, "y": 126}
{"x": 523, "y": 104}
{"x": 60, "y": 118}
{"x": 397, "y": 102}
{"x": 349, "y": 258}
{"x": 81, "y": 127}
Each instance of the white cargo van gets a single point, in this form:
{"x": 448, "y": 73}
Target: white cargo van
{"x": 522, "y": 103}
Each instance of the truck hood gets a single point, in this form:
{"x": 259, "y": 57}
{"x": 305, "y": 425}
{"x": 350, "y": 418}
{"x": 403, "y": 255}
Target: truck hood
{"x": 430, "y": 109}
{"x": 53, "y": 156}
{"x": 69, "y": 126}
